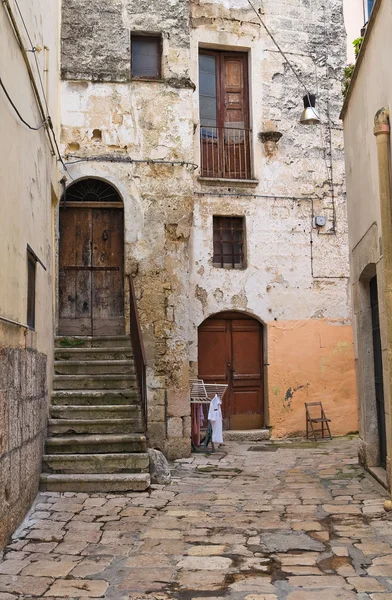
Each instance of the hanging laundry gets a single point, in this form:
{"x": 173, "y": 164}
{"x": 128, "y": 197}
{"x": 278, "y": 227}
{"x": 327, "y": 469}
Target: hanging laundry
{"x": 201, "y": 415}
{"x": 215, "y": 417}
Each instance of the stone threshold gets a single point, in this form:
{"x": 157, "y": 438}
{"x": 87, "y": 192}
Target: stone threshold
{"x": 380, "y": 474}
{"x": 251, "y": 435}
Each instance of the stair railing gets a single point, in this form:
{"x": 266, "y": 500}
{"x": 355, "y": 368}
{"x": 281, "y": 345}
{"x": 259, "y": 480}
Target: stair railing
{"x": 138, "y": 350}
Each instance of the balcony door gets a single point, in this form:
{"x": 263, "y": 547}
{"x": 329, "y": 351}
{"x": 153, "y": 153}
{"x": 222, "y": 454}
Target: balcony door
{"x": 224, "y": 115}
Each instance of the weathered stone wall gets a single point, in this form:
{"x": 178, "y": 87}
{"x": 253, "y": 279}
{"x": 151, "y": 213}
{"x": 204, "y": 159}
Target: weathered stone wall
{"x": 143, "y": 121}
{"x": 23, "y": 413}
{"x": 295, "y": 272}
{"x": 296, "y": 280}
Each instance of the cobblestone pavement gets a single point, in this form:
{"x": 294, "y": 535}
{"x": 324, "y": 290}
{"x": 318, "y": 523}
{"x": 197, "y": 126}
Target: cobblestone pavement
{"x": 291, "y": 522}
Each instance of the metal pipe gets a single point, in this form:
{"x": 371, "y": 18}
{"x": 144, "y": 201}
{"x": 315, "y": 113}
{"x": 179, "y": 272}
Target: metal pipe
{"x": 29, "y": 70}
{"x": 11, "y": 322}
{"x": 382, "y": 132}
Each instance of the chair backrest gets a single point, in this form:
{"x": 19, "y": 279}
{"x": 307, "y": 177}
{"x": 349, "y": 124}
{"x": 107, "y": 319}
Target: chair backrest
{"x": 311, "y": 404}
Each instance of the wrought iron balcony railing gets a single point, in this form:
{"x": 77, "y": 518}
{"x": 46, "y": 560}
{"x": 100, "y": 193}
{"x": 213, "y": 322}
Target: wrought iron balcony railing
{"x": 225, "y": 152}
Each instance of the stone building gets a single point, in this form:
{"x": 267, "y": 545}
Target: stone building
{"x": 235, "y": 229}
{"x": 29, "y": 184}
{"x": 366, "y": 121}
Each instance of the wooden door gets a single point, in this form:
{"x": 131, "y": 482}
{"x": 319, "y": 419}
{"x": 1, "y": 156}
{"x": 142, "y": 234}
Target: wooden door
{"x": 378, "y": 372}
{"x": 91, "y": 271}
{"x": 230, "y": 351}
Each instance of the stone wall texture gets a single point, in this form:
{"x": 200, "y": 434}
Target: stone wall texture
{"x": 23, "y": 414}
{"x": 295, "y": 271}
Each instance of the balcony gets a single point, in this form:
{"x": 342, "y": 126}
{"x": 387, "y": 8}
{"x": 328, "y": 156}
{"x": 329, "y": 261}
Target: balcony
{"x": 225, "y": 152}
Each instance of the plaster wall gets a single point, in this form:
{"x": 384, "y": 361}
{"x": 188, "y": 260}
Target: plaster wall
{"x": 370, "y": 91}
{"x": 294, "y": 270}
{"x": 354, "y": 19}
{"x": 29, "y": 183}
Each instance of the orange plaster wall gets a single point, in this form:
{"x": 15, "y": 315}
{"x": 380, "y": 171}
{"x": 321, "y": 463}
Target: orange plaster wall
{"x": 311, "y": 361}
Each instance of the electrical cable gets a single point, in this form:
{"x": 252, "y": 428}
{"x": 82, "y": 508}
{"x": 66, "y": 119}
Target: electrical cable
{"x": 17, "y": 111}
{"x": 128, "y": 159}
{"x": 34, "y": 51}
{"x": 279, "y": 48}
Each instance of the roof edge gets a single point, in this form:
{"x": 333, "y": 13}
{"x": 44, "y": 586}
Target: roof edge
{"x": 359, "y": 60}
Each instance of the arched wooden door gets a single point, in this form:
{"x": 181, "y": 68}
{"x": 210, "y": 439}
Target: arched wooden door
{"x": 230, "y": 351}
{"x": 91, "y": 260}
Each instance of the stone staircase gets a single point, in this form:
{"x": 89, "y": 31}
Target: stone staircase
{"x": 96, "y": 440}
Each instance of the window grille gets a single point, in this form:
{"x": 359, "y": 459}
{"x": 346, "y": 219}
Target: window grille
{"x": 229, "y": 238}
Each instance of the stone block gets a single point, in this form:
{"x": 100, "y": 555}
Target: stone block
{"x": 156, "y": 413}
{"x": 174, "y": 427}
{"x": 177, "y": 448}
{"x": 186, "y": 427}
{"x": 156, "y": 435}
{"x": 3, "y": 422}
{"x": 178, "y": 402}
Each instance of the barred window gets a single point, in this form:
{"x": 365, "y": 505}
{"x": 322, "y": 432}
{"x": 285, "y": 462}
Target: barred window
{"x": 229, "y": 242}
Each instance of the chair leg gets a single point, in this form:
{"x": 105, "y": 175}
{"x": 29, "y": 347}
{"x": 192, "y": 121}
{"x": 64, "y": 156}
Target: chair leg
{"x": 322, "y": 430}
{"x": 313, "y": 431}
{"x": 329, "y": 431}
{"x": 307, "y": 428}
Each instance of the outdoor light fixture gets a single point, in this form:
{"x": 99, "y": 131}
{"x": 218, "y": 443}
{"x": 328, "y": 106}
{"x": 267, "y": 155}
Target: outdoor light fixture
{"x": 310, "y": 115}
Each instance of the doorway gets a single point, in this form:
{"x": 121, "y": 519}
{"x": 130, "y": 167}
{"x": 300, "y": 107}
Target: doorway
{"x": 230, "y": 350}
{"x": 91, "y": 260}
{"x": 378, "y": 372}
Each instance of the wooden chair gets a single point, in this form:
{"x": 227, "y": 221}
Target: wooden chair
{"x": 322, "y": 419}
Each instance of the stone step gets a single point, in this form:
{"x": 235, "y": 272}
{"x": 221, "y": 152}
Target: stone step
{"x": 96, "y": 463}
{"x": 93, "y": 382}
{"x": 86, "y": 341}
{"x": 110, "y": 411}
{"x": 114, "y": 353}
{"x": 94, "y": 367}
{"x": 250, "y": 435}
{"x": 87, "y": 482}
{"x": 96, "y": 444}
{"x": 95, "y": 397}
{"x": 93, "y": 426}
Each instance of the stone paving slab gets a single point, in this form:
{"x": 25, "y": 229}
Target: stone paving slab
{"x": 299, "y": 523}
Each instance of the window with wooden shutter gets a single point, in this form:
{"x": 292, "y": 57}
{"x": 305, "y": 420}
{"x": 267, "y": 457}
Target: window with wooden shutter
{"x": 224, "y": 115}
{"x": 31, "y": 275}
{"x": 146, "y": 56}
{"x": 229, "y": 242}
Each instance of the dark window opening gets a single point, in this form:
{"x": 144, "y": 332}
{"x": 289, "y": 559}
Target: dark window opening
{"x": 146, "y": 56}
{"x": 229, "y": 241}
{"x": 31, "y": 274}
{"x": 224, "y": 115}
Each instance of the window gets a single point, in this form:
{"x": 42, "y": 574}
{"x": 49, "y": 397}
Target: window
{"x": 368, "y": 9}
{"x": 224, "y": 115}
{"x": 146, "y": 56}
{"x": 31, "y": 269}
{"x": 229, "y": 237}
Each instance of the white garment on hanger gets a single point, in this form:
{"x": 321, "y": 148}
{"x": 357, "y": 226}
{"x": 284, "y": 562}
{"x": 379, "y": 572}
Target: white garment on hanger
{"x": 201, "y": 414}
{"x": 215, "y": 417}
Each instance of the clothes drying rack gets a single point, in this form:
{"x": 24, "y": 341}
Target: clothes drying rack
{"x": 202, "y": 393}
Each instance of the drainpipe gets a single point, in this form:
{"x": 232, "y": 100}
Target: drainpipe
{"x": 382, "y": 132}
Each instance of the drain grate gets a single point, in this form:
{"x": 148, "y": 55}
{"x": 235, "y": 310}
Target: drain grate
{"x": 262, "y": 449}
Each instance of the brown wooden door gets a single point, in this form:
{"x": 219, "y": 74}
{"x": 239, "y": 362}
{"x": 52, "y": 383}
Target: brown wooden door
{"x": 91, "y": 271}
{"x": 231, "y": 351}
{"x": 224, "y": 114}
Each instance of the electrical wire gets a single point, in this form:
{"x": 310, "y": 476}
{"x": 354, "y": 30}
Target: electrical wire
{"x": 17, "y": 111}
{"x": 278, "y": 47}
{"x": 34, "y": 51}
{"x": 128, "y": 159}
{"x": 48, "y": 120}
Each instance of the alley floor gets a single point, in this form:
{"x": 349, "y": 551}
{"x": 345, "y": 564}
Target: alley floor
{"x": 253, "y": 521}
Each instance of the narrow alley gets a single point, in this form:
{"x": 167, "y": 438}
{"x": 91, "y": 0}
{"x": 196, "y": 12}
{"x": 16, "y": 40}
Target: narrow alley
{"x": 269, "y": 521}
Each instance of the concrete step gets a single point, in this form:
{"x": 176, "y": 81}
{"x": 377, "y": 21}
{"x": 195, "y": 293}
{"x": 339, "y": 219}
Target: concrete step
{"x": 94, "y": 367}
{"x": 95, "y": 397}
{"x": 93, "y": 426}
{"x": 96, "y": 463}
{"x": 111, "y": 353}
{"x": 96, "y": 444}
{"x": 87, "y": 482}
{"x": 86, "y": 341}
{"x": 93, "y": 382}
{"x": 110, "y": 411}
